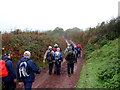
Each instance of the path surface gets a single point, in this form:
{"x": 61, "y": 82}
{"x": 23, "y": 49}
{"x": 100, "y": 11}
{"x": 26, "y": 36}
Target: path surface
{"x": 44, "y": 80}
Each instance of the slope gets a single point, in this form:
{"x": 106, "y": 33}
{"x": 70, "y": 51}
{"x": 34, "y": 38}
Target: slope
{"x": 101, "y": 68}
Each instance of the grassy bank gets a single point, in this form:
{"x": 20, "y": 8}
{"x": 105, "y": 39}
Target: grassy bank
{"x": 101, "y": 69}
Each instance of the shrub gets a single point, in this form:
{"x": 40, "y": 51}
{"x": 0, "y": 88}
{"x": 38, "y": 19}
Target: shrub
{"x": 109, "y": 75}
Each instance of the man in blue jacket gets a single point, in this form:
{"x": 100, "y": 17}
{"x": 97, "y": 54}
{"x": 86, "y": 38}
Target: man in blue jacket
{"x": 9, "y": 82}
{"x": 58, "y": 59}
{"x": 25, "y": 71}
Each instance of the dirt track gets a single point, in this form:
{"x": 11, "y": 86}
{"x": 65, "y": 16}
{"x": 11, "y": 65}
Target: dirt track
{"x": 44, "y": 80}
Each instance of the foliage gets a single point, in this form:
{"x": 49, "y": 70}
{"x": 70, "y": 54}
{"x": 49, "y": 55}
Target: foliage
{"x": 98, "y": 35}
{"x": 100, "y": 45}
{"x": 37, "y": 43}
{"x": 109, "y": 75}
{"x": 101, "y": 69}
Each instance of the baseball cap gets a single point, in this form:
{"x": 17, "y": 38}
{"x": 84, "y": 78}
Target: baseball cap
{"x": 50, "y": 47}
{"x": 56, "y": 45}
{"x": 27, "y": 53}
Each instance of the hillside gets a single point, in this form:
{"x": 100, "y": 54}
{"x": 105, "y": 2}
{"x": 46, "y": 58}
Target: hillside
{"x": 102, "y": 56}
{"x": 101, "y": 69}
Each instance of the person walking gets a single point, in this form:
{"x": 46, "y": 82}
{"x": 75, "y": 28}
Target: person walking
{"x": 79, "y": 50}
{"x": 26, "y": 70}
{"x": 9, "y": 81}
{"x": 76, "y": 52}
{"x": 49, "y": 57}
{"x": 71, "y": 59}
{"x": 72, "y": 46}
{"x": 58, "y": 59}
{"x": 55, "y": 47}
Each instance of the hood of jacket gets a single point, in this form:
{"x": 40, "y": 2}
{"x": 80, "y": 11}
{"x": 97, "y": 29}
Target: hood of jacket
{"x": 24, "y": 59}
{"x": 6, "y": 58}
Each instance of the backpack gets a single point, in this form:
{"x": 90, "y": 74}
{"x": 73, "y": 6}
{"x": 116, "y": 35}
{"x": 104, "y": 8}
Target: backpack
{"x": 23, "y": 69}
{"x": 72, "y": 47}
{"x": 54, "y": 49}
{"x": 3, "y": 68}
{"x": 57, "y": 55}
{"x": 78, "y": 48}
{"x": 70, "y": 57}
{"x": 76, "y": 51}
{"x": 49, "y": 57}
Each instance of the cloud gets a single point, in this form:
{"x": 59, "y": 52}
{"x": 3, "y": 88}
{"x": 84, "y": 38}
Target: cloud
{"x": 48, "y": 14}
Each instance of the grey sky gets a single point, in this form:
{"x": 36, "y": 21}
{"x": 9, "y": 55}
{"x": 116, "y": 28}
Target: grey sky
{"x": 49, "y": 14}
{"x": 119, "y": 9}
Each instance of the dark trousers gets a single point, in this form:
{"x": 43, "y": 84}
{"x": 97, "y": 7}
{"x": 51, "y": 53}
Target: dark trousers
{"x": 79, "y": 54}
{"x": 70, "y": 68}
{"x": 60, "y": 64}
{"x": 28, "y": 85}
{"x": 57, "y": 67}
{"x": 50, "y": 67}
{"x": 8, "y": 85}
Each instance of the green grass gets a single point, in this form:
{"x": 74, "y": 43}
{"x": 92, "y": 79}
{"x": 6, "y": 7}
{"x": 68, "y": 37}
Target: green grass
{"x": 95, "y": 61}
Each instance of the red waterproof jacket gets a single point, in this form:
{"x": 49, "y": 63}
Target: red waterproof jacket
{"x": 79, "y": 46}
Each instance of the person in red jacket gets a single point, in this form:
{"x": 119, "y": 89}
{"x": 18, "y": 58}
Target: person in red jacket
{"x": 79, "y": 50}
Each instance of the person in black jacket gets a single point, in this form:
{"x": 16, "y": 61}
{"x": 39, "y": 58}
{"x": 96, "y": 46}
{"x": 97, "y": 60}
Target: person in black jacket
{"x": 71, "y": 59}
{"x": 28, "y": 77}
{"x": 9, "y": 82}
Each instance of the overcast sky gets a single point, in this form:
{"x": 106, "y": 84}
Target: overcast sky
{"x": 49, "y": 14}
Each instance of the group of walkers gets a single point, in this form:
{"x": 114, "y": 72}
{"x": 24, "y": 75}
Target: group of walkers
{"x": 26, "y": 68}
{"x": 53, "y": 57}
{"x": 25, "y": 72}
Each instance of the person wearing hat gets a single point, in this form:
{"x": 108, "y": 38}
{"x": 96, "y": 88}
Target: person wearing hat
{"x": 9, "y": 82}
{"x": 49, "y": 58}
{"x": 58, "y": 55}
{"x": 71, "y": 59}
{"x": 55, "y": 47}
{"x": 26, "y": 70}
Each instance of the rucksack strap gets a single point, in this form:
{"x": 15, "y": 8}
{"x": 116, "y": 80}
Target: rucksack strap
{"x": 6, "y": 60}
{"x": 27, "y": 60}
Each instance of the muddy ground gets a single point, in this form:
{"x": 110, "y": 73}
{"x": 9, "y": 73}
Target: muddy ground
{"x": 44, "y": 80}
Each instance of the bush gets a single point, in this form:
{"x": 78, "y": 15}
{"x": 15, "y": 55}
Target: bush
{"x": 109, "y": 75}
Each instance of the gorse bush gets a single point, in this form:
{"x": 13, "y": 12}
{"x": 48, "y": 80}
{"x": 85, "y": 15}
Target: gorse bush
{"x": 37, "y": 43}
